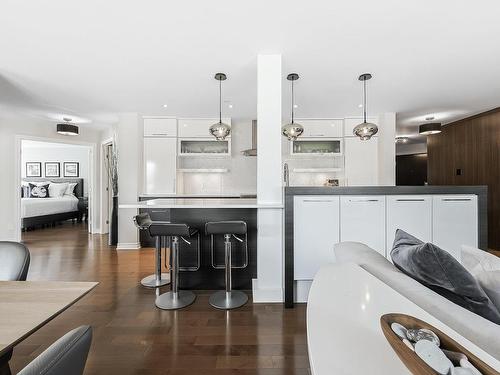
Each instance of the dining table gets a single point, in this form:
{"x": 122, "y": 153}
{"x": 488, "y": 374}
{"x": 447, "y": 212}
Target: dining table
{"x": 26, "y": 306}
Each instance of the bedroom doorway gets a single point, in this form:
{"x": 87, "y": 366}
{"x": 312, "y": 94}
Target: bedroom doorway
{"x": 55, "y": 187}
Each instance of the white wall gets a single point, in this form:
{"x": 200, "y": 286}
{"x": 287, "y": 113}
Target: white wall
{"x": 10, "y": 126}
{"x": 53, "y": 152}
{"x": 387, "y": 149}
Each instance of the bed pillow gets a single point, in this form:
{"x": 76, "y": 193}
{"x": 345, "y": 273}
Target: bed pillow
{"x": 441, "y": 272}
{"x": 57, "y": 190}
{"x": 71, "y": 188}
{"x": 39, "y": 191}
{"x": 485, "y": 267}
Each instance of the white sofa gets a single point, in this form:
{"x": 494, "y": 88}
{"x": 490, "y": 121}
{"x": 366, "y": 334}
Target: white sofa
{"x": 482, "y": 332}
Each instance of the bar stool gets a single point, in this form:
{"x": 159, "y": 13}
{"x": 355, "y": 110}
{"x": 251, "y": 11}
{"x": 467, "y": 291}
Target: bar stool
{"x": 176, "y": 299}
{"x": 228, "y": 299}
{"x": 143, "y": 222}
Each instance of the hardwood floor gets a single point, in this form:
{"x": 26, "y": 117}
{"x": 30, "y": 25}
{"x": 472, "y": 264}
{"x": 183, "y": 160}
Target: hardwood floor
{"x": 132, "y": 336}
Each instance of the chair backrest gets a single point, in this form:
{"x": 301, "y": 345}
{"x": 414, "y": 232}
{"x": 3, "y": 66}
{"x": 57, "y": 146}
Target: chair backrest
{"x": 14, "y": 261}
{"x": 142, "y": 221}
{"x": 67, "y": 356}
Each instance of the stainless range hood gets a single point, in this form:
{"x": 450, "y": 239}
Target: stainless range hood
{"x": 252, "y": 151}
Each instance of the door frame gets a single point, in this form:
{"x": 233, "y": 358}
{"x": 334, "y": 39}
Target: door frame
{"x": 92, "y": 185}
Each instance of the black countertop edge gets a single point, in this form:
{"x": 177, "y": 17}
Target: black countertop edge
{"x": 385, "y": 190}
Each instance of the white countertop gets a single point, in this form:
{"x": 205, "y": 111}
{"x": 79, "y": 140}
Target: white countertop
{"x": 200, "y": 203}
{"x": 343, "y": 324}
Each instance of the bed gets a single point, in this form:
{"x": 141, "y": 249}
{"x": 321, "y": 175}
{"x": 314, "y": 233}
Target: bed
{"x": 48, "y": 211}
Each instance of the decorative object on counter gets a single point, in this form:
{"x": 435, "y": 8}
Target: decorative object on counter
{"x": 52, "y": 169}
{"x": 426, "y": 357}
{"x": 365, "y": 130}
{"x": 67, "y": 128}
{"x": 33, "y": 169}
{"x": 292, "y": 130}
{"x": 71, "y": 169}
{"x": 332, "y": 182}
{"x": 220, "y": 130}
{"x": 111, "y": 161}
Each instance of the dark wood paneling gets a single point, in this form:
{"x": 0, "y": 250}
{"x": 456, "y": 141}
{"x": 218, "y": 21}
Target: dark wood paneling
{"x": 472, "y": 146}
{"x": 411, "y": 170}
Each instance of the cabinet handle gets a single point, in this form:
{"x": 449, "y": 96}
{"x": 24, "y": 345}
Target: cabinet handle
{"x": 364, "y": 200}
{"x": 159, "y": 134}
{"x": 317, "y": 201}
{"x": 456, "y": 199}
{"x": 410, "y": 200}
{"x": 158, "y": 211}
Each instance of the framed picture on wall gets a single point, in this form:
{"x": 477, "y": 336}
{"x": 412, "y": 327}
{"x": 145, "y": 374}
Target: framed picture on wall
{"x": 71, "y": 169}
{"x": 52, "y": 169}
{"x": 33, "y": 169}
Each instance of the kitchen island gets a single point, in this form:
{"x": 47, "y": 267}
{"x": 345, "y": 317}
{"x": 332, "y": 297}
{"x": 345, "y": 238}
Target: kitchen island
{"x": 316, "y": 218}
{"x": 196, "y": 212}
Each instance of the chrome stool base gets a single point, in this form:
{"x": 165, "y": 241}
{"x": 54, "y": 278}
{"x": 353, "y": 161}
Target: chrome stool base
{"x": 228, "y": 300}
{"x": 174, "y": 301}
{"x": 150, "y": 281}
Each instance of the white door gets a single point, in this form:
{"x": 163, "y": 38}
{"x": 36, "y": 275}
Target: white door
{"x": 362, "y": 219}
{"x": 455, "y": 222}
{"x": 411, "y": 213}
{"x": 160, "y": 160}
{"x": 361, "y": 161}
{"x": 316, "y": 230}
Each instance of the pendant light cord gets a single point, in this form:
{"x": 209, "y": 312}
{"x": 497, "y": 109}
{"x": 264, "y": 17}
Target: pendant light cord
{"x": 220, "y": 101}
{"x": 364, "y": 100}
{"x": 293, "y": 102}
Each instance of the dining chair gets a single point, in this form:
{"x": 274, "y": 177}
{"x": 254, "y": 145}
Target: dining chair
{"x": 14, "y": 261}
{"x": 67, "y": 356}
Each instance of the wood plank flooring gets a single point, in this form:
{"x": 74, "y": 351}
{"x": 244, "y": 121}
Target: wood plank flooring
{"x": 132, "y": 336}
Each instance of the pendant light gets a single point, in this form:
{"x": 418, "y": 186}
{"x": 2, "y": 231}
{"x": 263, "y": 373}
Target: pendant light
{"x": 292, "y": 130}
{"x": 67, "y": 128}
{"x": 220, "y": 130}
{"x": 429, "y": 128}
{"x": 365, "y": 130}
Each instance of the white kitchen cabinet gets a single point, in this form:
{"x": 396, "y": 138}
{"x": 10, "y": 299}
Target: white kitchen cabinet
{"x": 321, "y": 128}
{"x": 361, "y": 161}
{"x": 317, "y": 147}
{"x": 316, "y": 231}
{"x": 411, "y": 213}
{"x": 362, "y": 219}
{"x": 160, "y": 162}
{"x": 351, "y": 122}
{"x": 198, "y": 127}
{"x": 160, "y": 127}
{"x": 454, "y": 219}
{"x": 207, "y": 147}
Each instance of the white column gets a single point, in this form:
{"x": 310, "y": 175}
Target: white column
{"x": 387, "y": 149}
{"x": 268, "y": 287}
{"x": 128, "y": 138}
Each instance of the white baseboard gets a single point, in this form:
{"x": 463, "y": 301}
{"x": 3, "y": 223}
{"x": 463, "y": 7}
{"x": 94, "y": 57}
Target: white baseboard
{"x": 128, "y": 246}
{"x": 266, "y": 295}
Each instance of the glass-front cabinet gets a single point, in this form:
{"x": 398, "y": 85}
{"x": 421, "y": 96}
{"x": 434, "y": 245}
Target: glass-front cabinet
{"x": 317, "y": 147}
{"x": 204, "y": 147}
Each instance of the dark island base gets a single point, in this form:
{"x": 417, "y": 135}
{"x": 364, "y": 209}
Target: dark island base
{"x": 208, "y": 278}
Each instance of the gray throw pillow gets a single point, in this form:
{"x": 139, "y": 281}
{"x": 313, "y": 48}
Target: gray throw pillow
{"x": 438, "y": 270}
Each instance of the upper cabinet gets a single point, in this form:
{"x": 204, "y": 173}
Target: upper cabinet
{"x": 316, "y": 147}
{"x": 351, "y": 122}
{"x": 321, "y": 128}
{"x": 198, "y": 127}
{"x": 160, "y": 127}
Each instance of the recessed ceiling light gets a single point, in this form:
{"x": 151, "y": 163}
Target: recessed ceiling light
{"x": 295, "y": 106}
{"x": 402, "y": 139}
{"x": 360, "y": 105}
{"x": 165, "y": 105}
{"x": 230, "y": 106}
{"x": 429, "y": 118}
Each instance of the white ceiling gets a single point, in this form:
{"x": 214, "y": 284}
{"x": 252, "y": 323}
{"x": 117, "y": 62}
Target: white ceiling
{"x": 94, "y": 59}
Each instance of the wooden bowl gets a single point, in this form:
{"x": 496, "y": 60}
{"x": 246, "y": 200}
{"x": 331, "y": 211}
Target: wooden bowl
{"x": 411, "y": 360}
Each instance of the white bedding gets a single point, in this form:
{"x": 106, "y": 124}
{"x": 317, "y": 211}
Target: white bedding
{"x": 47, "y": 206}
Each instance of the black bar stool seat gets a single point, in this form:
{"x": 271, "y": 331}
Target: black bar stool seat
{"x": 229, "y": 298}
{"x": 143, "y": 222}
{"x": 176, "y": 299}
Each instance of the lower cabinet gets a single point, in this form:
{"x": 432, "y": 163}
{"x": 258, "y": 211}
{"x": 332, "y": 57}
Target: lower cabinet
{"x": 316, "y": 231}
{"x": 455, "y": 223}
{"x": 411, "y": 213}
{"x": 362, "y": 219}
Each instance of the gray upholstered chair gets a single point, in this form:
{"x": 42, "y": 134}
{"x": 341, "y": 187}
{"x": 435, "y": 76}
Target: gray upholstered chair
{"x": 67, "y": 356}
{"x": 14, "y": 261}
